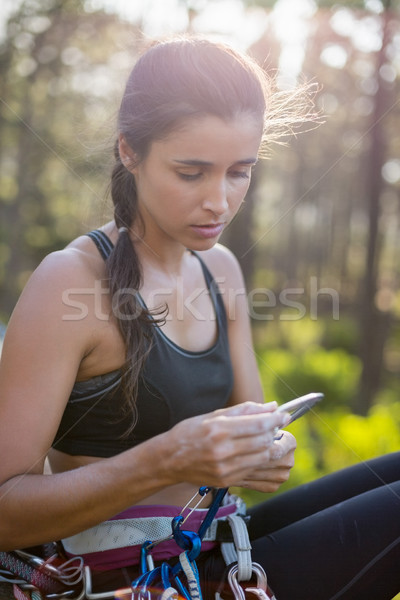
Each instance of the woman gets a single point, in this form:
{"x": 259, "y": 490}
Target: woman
{"x": 128, "y": 359}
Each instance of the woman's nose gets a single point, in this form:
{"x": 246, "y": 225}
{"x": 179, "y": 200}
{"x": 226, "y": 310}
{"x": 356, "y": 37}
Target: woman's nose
{"x": 216, "y": 198}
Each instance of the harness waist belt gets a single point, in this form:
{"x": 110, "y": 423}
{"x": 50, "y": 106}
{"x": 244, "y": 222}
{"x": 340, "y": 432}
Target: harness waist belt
{"x": 122, "y": 532}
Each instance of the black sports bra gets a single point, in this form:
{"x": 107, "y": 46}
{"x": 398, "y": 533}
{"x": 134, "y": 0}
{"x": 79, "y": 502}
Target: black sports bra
{"x": 175, "y": 384}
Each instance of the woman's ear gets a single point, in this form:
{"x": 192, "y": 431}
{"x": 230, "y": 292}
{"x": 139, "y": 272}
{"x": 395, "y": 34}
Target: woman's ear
{"x": 126, "y": 154}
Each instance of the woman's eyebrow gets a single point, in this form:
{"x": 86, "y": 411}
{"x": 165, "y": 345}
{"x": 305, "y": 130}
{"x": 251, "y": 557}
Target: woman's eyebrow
{"x": 194, "y": 162}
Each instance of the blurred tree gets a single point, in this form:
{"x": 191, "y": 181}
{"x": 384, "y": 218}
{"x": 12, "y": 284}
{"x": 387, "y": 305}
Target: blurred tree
{"x": 58, "y": 82}
{"x": 375, "y": 136}
{"x": 374, "y": 323}
{"x": 330, "y": 188}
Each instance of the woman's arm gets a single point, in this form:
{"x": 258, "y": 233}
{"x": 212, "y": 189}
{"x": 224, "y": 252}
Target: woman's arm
{"x": 42, "y": 354}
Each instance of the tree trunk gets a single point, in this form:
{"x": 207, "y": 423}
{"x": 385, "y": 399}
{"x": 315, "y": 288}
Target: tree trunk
{"x": 374, "y": 325}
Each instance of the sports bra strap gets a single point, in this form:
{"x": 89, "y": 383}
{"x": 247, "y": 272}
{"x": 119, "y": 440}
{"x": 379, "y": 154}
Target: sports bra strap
{"x": 105, "y": 247}
{"x": 102, "y": 241}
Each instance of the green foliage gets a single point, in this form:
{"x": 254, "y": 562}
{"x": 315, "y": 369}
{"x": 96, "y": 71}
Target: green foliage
{"x": 329, "y": 437}
{"x": 328, "y": 441}
{"x": 303, "y": 366}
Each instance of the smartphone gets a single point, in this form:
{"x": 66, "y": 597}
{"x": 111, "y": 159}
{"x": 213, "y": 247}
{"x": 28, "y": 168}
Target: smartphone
{"x": 299, "y": 406}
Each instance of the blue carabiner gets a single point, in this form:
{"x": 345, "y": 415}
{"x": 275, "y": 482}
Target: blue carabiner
{"x": 144, "y": 581}
{"x": 143, "y": 557}
{"x": 187, "y": 540}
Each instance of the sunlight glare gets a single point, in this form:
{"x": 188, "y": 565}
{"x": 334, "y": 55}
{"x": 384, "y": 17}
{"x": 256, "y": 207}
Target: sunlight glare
{"x": 290, "y": 19}
{"x": 374, "y": 6}
{"x": 367, "y": 36}
{"x": 391, "y": 171}
{"x": 365, "y": 33}
{"x": 229, "y": 18}
{"x": 334, "y": 56}
{"x": 343, "y": 21}
{"x": 155, "y": 17}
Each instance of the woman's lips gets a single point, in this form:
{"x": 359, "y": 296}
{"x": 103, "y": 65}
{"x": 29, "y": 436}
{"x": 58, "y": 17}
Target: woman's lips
{"x": 208, "y": 231}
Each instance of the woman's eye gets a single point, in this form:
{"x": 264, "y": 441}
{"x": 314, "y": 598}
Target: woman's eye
{"x": 241, "y": 174}
{"x": 189, "y": 176}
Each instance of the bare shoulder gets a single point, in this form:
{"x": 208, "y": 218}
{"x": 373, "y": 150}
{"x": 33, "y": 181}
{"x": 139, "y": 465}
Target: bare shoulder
{"x": 78, "y": 263}
{"x": 48, "y": 302}
{"x": 53, "y": 335}
{"x": 224, "y": 265}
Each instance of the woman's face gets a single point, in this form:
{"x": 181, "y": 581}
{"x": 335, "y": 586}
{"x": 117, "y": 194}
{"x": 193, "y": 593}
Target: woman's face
{"x": 192, "y": 183}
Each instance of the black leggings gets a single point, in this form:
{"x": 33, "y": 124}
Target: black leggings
{"x": 336, "y": 537}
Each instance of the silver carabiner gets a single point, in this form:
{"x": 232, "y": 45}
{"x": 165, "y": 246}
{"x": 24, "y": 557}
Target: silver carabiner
{"x": 260, "y": 590}
{"x": 262, "y": 595}
{"x": 233, "y": 582}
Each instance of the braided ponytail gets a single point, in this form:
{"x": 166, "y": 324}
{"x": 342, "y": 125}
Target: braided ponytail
{"x": 125, "y": 279}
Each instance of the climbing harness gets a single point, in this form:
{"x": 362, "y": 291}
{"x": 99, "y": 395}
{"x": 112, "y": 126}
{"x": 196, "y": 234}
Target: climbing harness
{"x": 57, "y": 578}
{"x": 167, "y": 580}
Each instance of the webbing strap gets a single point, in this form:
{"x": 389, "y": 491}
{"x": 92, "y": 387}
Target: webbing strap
{"x": 240, "y": 550}
{"x": 20, "y": 594}
{"x": 122, "y": 533}
{"x": 192, "y": 576}
{"x": 169, "y": 594}
{"x": 12, "y": 563}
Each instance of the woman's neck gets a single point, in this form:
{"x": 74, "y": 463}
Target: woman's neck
{"x": 163, "y": 255}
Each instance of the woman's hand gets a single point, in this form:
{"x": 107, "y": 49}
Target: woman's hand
{"x": 226, "y": 446}
{"x": 275, "y": 471}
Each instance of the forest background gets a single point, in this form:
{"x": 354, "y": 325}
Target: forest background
{"x": 318, "y": 237}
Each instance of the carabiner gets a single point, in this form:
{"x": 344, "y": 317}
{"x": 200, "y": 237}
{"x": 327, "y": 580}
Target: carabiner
{"x": 187, "y": 540}
{"x": 260, "y": 590}
{"x": 146, "y": 560}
